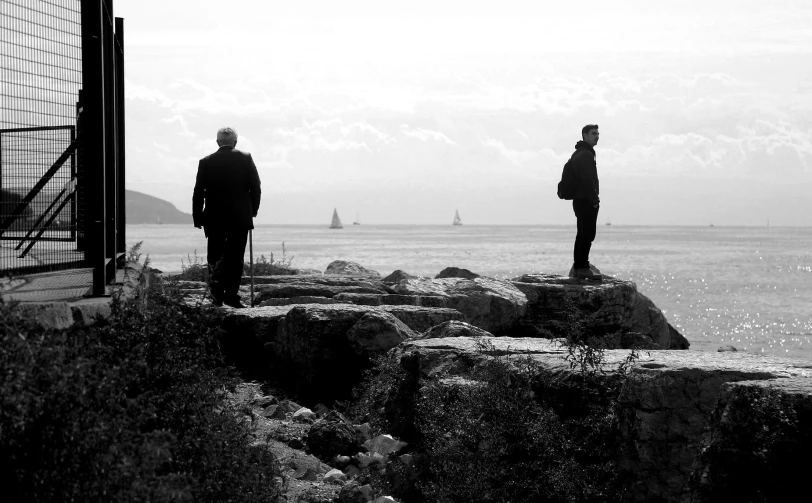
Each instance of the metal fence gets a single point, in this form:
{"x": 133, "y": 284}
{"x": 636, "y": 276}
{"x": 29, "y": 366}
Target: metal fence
{"x": 61, "y": 137}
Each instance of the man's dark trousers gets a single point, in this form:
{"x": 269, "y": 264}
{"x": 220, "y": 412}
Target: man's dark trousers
{"x": 587, "y": 216}
{"x": 226, "y": 255}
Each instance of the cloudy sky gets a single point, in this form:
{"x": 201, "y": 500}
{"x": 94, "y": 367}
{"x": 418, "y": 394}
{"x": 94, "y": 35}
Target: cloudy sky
{"x": 404, "y": 112}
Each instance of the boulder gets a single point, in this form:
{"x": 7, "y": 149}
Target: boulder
{"x": 726, "y": 348}
{"x": 453, "y": 329}
{"x": 327, "y": 439}
{"x": 377, "y": 332}
{"x": 347, "y": 268}
{"x": 456, "y": 272}
{"x": 665, "y": 410}
{"x": 490, "y": 304}
{"x": 603, "y": 307}
{"x": 397, "y": 276}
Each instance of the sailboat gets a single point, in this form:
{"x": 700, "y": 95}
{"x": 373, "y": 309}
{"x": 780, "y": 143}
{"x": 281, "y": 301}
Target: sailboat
{"x": 457, "y": 219}
{"x": 336, "y": 223}
{"x": 357, "y": 220}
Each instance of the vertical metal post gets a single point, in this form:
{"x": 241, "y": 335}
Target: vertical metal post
{"x": 94, "y": 149}
{"x": 121, "y": 213}
{"x": 72, "y": 177}
{"x": 110, "y": 138}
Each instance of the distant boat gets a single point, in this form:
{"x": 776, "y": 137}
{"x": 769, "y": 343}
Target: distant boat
{"x": 159, "y": 221}
{"x": 357, "y": 220}
{"x": 608, "y": 221}
{"x": 457, "y": 219}
{"x": 336, "y": 223}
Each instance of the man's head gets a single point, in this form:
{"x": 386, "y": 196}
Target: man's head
{"x": 589, "y": 134}
{"x": 226, "y": 137}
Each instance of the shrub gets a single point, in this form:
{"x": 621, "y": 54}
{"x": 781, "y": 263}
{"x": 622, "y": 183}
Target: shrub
{"x": 130, "y": 409}
{"x": 264, "y": 266}
{"x": 508, "y": 430}
{"x": 194, "y": 269}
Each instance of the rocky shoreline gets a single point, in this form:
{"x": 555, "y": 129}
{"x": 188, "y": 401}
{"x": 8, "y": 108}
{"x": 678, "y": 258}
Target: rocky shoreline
{"x": 320, "y": 332}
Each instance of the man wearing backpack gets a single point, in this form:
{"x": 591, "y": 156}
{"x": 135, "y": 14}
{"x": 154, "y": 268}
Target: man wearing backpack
{"x": 585, "y": 202}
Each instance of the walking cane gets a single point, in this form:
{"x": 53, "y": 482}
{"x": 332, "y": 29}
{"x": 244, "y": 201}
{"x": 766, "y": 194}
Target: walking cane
{"x": 251, "y": 258}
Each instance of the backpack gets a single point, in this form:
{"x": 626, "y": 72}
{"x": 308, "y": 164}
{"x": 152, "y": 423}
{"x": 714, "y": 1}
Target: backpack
{"x": 568, "y": 183}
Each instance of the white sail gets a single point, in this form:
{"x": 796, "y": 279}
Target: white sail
{"x": 357, "y": 220}
{"x": 336, "y": 223}
{"x": 457, "y": 219}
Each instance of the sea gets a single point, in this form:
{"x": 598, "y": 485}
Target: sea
{"x": 749, "y": 287}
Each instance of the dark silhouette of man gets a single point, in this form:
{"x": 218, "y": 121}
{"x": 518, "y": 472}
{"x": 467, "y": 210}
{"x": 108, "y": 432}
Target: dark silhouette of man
{"x": 225, "y": 202}
{"x": 585, "y": 202}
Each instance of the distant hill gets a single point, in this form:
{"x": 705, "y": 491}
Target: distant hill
{"x": 145, "y": 209}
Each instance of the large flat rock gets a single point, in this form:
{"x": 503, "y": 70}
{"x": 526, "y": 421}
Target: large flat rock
{"x": 666, "y": 406}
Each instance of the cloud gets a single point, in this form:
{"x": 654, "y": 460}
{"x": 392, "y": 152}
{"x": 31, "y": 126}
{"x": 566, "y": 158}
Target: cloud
{"x": 426, "y": 135}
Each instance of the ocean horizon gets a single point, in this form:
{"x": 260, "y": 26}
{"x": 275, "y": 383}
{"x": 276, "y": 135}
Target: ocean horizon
{"x": 750, "y": 287}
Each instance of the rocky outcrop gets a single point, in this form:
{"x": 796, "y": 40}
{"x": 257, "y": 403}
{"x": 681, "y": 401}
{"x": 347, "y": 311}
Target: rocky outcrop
{"x": 347, "y": 268}
{"x": 603, "y": 307}
{"x": 489, "y": 304}
{"x": 321, "y": 349}
{"x": 670, "y": 408}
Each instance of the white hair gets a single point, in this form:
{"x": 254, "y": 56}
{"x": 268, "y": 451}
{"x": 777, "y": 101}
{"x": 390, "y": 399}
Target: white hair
{"x": 226, "y": 136}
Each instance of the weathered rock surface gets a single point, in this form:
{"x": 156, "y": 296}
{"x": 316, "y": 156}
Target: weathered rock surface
{"x": 757, "y": 444}
{"x": 609, "y": 306}
{"x": 453, "y": 329}
{"x": 377, "y": 332}
{"x": 397, "y": 276}
{"x": 322, "y": 349}
{"x": 456, "y": 272}
{"x": 490, "y": 304}
{"x": 666, "y": 406}
{"x": 328, "y": 438}
{"x": 347, "y": 268}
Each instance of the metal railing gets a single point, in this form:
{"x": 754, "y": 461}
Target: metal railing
{"x": 61, "y": 137}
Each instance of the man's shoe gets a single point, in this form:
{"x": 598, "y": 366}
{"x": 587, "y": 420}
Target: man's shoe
{"x": 572, "y": 271}
{"x": 586, "y": 273}
{"x": 216, "y": 297}
{"x": 594, "y": 269}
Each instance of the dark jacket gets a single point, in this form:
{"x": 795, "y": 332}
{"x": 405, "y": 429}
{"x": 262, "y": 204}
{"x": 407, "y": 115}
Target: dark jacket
{"x": 586, "y": 173}
{"x": 227, "y": 191}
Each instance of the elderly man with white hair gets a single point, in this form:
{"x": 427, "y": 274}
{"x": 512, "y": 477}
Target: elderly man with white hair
{"x": 225, "y": 202}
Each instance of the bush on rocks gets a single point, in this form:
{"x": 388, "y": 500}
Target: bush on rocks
{"x": 130, "y": 409}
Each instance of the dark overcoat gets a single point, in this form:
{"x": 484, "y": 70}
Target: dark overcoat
{"x": 227, "y": 191}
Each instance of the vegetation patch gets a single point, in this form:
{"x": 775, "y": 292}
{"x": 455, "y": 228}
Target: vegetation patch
{"x": 130, "y": 409}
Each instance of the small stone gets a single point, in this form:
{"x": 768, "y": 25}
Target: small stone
{"x": 384, "y": 444}
{"x": 273, "y": 412}
{"x": 364, "y": 460}
{"x": 295, "y": 443}
{"x": 341, "y": 461}
{"x": 335, "y": 476}
{"x": 353, "y": 493}
{"x": 727, "y": 348}
{"x": 351, "y": 471}
{"x": 303, "y": 415}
